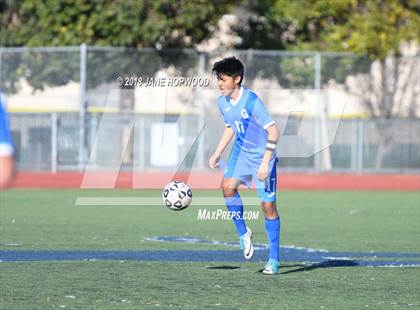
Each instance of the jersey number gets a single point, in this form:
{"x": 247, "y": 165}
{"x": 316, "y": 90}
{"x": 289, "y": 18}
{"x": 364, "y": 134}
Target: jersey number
{"x": 240, "y": 126}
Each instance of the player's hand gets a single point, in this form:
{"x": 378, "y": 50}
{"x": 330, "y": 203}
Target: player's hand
{"x": 214, "y": 161}
{"x": 262, "y": 172}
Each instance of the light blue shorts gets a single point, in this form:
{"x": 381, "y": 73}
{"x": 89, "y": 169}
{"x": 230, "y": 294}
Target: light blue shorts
{"x": 244, "y": 169}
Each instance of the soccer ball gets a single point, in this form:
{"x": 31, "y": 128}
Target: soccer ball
{"x": 177, "y": 195}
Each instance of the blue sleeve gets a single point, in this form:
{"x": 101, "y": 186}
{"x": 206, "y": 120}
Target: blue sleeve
{"x": 261, "y": 115}
{"x": 5, "y": 140}
{"x": 223, "y": 114}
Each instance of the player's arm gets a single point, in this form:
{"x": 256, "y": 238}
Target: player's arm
{"x": 6, "y": 149}
{"x": 227, "y": 136}
{"x": 272, "y": 139}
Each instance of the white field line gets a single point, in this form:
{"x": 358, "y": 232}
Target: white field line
{"x": 154, "y": 201}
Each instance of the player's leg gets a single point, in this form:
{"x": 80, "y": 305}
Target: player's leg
{"x": 234, "y": 203}
{"x": 235, "y": 206}
{"x": 272, "y": 229}
{"x": 267, "y": 193}
{"x": 237, "y": 172}
{"x": 6, "y": 170}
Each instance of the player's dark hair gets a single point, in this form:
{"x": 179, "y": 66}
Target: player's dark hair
{"x": 230, "y": 66}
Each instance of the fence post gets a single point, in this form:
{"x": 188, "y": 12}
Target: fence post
{"x": 1, "y": 59}
{"x": 360, "y": 134}
{"x": 82, "y": 111}
{"x": 141, "y": 143}
{"x": 317, "y": 129}
{"x": 354, "y": 143}
{"x": 93, "y": 130}
{"x": 54, "y": 142}
{"x": 200, "y": 151}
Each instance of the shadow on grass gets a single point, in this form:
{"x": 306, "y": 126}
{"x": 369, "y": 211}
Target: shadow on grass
{"x": 223, "y": 267}
{"x": 326, "y": 264}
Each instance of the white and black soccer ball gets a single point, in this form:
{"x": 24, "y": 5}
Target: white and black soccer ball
{"x": 177, "y": 195}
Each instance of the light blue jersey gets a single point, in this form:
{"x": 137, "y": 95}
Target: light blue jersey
{"x": 249, "y": 119}
{"x": 6, "y": 148}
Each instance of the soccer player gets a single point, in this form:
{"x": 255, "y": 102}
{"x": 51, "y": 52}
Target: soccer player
{"x": 6, "y": 148}
{"x": 252, "y": 157}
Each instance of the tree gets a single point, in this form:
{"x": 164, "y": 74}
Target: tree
{"x": 160, "y": 23}
{"x": 132, "y": 24}
{"x": 373, "y": 28}
{"x": 377, "y": 29}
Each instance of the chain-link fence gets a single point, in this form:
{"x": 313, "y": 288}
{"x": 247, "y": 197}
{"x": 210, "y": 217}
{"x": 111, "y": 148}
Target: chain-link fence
{"x": 51, "y": 142}
{"x": 68, "y": 108}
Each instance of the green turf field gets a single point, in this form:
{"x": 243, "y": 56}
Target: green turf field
{"x": 335, "y": 221}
